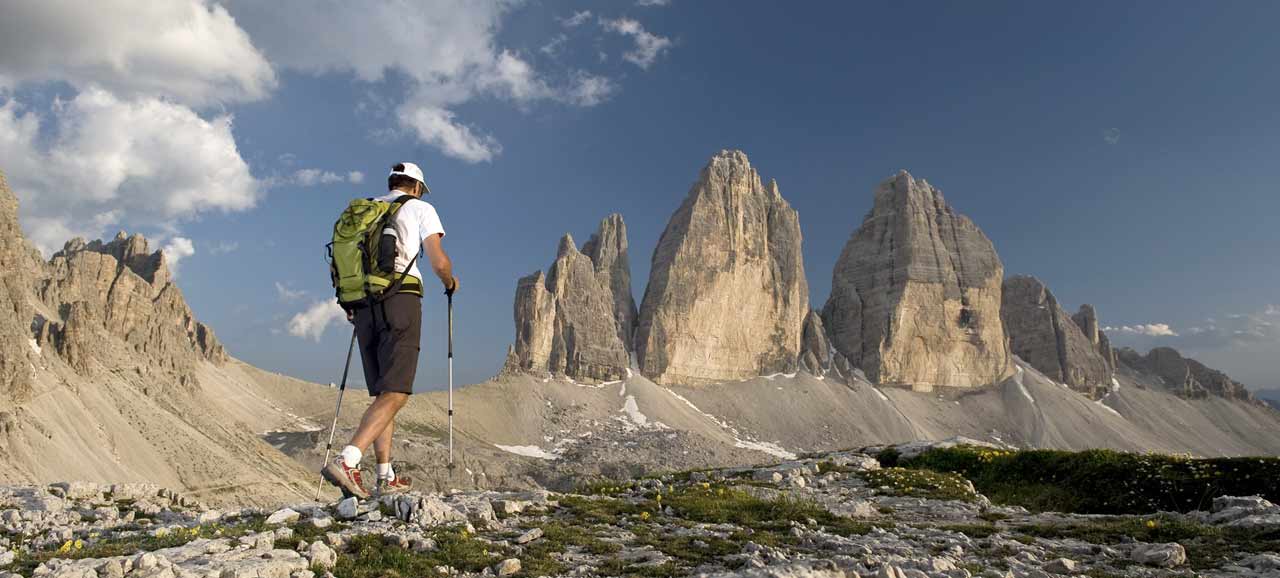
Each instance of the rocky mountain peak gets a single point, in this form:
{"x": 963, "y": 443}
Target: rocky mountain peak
{"x": 568, "y": 322}
{"x": 608, "y": 251}
{"x": 727, "y": 295}
{"x": 1043, "y": 335}
{"x": 916, "y": 292}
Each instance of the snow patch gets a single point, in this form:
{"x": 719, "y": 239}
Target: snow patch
{"x": 1017, "y": 379}
{"x": 880, "y": 393}
{"x": 35, "y": 346}
{"x": 772, "y": 376}
{"x": 528, "y": 451}
{"x": 632, "y": 409}
{"x": 1108, "y": 408}
{"x": 766, "y": 447}
{"x": 622, "y": 391}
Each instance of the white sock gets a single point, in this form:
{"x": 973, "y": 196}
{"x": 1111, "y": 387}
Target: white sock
{"x": 385, "y": 472}
{"x": 351, "y": 456}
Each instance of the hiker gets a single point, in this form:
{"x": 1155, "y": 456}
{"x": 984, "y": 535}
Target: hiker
{"x": 388, "y": 329}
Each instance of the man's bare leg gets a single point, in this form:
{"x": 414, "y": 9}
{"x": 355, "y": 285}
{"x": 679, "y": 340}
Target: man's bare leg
{"x": 382, "y": 445}
{"x": 378, "y": 419}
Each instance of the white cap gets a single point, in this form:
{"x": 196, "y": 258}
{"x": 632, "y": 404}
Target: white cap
{"x": 412, "y": 171}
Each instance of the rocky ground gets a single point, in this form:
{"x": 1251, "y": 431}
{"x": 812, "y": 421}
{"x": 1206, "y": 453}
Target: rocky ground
{"x": 832, "y": 514}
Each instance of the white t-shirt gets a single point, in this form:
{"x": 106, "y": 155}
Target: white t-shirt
{"x": 415, "y": 221}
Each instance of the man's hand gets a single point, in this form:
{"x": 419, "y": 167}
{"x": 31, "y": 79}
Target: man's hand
{"x": 351, "y": 317}
{"x": 451, "y": 286}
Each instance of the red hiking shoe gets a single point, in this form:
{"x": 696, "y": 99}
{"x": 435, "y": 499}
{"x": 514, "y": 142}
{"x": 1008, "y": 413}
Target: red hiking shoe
{"x": 396, "y": 485}
{"x": 347, "y": 479}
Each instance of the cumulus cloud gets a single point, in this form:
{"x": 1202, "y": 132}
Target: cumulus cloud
{"x": 446, "y": 49}
{"x": 648, "y": 46}
{"x": 311, "y": 323}
{"x": 1149, "y": 329}
{"x": 177, "y": 249}
{"x": 98, "y": 161}
{"x": 189, "y": 51}
{"x": 653, "y": 2}
{"x": 1111, "y": 136}
{"x": 355, "y": 177}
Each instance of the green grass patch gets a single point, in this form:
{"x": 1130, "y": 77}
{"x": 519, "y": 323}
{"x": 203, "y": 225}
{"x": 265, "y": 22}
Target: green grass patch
{"x": 1207, "y": 546}
{"x": 369, "y": 556}
{"x": 1103, "y": 481}
{"x": 920, "y": 483}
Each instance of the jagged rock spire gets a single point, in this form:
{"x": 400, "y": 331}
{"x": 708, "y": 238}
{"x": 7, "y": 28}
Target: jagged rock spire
{"x": 573, "y": 321}
{"x": 727, "y": 294}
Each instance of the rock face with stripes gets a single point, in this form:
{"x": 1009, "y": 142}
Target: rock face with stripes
{"x": 915, "y": 296}
{"x": 1185, "y": 376}
{"x": 15, "y": 309}
{"x": 727, "y": 294}
{"x": 1043, "y": 335}
{"x": 574, "y": 321}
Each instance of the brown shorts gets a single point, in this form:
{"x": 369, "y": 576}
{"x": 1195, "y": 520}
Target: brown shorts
{"x": 389, "y": 333}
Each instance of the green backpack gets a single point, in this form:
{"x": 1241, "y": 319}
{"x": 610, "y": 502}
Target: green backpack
{"x": 362, "y": 259}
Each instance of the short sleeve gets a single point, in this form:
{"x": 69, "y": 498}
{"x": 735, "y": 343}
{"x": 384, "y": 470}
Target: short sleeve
{"x": 428, "y": 222}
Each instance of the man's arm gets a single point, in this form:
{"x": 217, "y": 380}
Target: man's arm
{"x": 440, "y": 262}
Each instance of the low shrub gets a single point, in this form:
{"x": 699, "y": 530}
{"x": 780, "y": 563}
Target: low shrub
{"x": 1103, "y": 481}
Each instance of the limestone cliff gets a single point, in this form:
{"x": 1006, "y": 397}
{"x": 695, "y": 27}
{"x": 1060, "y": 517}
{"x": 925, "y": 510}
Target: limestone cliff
{"x": 607, "y": 249}
{"x": 573, "y": 321}
{"x": 1087, "y": 319}
{"x": 15, "y": 309}
{"x": 727, "y": 294}
{"x": 1183, "y": 375}
{"x": 915, "y": 295}
{"x": 122, "y": 289}
{"x": 1043, "y": 335}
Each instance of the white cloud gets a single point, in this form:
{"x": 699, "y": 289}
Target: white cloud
{"x": 310, "y": 177}
{"x": 577, "y": 19}
{"x": 1272, "y": 310}
{"x": 553, "y": 46}
{"x": 289, "y": 294}
{"x": 223, "y": 247}
{"x": 190, "y": 51}
{"x": 96, "y": 161}
{"x": 177, "y": 249}
{"x": 355, "y": 177}
{"x": 653, "y": 2}
{"x": 1111, "y": 136}
{"x": 590, "y": 90}
{"x": 648, "y": 46}
{"x": 445, "y": 49}
{"x": 1150, "y": 329}
{"x": 436, "y": 126}
{"x": 311, "y": 323}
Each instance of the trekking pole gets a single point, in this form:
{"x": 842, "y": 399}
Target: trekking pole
{"x": 450, "y": 296}
{"x": 334, "y": 428}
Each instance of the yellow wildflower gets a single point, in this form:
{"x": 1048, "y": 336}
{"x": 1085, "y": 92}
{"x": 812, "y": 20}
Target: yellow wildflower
{"x": 644, "y": 516}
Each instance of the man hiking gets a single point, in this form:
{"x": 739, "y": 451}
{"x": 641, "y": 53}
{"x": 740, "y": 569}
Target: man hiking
{"x": 389, "y": 329}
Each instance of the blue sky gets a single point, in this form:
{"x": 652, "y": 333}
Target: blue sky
{"x": 1122, "y": 152}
